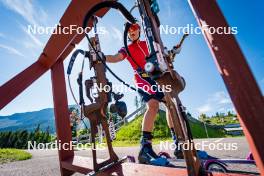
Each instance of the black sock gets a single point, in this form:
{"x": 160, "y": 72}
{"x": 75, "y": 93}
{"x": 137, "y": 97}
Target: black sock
{"x": 146, "y": 145}
{"x": 174, "y": 138}
{"x": 172, "y": 131}
{"x": 146, "y": 139}
{"x": 147, "y": 135}
{"x": 173, "y": 135}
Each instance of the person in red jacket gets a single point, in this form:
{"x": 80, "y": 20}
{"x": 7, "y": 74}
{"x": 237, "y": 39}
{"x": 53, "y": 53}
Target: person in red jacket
{"x": 139, "y": 51}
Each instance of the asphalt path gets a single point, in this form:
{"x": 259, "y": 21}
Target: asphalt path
{"x": 45, "y": 162}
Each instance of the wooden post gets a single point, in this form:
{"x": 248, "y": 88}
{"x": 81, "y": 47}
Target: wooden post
{"x": 61, "y": 112}
{"x": 238, "y": 78}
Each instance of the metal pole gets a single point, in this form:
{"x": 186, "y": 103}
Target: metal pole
{"x": 206, "y": 130}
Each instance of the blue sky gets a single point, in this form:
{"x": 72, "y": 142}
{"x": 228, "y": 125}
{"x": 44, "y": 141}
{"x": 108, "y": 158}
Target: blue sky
{"x": 205, "y": 91}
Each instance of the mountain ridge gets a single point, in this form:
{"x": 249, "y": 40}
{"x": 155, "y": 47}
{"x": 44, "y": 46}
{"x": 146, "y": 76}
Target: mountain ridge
{"x": 28, "y": 120}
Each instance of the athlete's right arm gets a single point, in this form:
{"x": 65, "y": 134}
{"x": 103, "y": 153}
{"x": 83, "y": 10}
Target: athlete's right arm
{"x": 114, "y": 58}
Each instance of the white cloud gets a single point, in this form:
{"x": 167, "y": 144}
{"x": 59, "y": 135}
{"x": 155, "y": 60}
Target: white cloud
{"x": 34, "y": 39}
{"x": 32, "y": 13}
{"x": 117, "y": 34}
{"x": 217, "y": 102}
{"x": 11, "y": 50}
{"x": 220, "y": 98}
{"x": 204, "y": 109}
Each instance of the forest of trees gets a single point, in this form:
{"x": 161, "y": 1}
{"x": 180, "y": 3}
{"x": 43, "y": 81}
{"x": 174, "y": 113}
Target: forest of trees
{"x": 19, "y": 139}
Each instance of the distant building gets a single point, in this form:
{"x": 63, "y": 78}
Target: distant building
{"x": 233, "y": 129}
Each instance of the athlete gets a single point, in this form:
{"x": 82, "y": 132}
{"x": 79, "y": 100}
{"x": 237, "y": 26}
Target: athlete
{"x": 139, "y": 51}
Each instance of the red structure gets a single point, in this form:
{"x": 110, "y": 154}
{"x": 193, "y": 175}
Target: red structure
{"x": 239, "y": 80}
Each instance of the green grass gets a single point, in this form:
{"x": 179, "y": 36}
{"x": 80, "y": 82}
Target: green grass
{"x": 9, "y": 155}
{"x": 225, "y": 120}
{"x": 128, "y": 143}
{"x": 130, "y": 133}
{"x": 198, "y": 131}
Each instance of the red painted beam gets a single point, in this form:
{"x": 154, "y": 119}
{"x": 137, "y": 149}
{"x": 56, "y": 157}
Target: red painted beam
{"x": 132, "y": 169}
{"x": 58, "y": 47}
{"x": 82, "y": 165}
{"x": 20, "y": 82}
{"x": 61, "y": 112}
{"x": 73, "y": 16}
{"x": 238, "y": 78}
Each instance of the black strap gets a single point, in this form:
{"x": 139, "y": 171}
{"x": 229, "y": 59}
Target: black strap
{"x": 109, "y": 4}
{"x": 127, "y": 15}
{"x": 73, "y": 57}
{"x": 79, "y": 81}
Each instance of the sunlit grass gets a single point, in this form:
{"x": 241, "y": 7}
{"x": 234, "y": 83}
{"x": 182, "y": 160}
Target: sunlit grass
{"x": 9, "y": 155}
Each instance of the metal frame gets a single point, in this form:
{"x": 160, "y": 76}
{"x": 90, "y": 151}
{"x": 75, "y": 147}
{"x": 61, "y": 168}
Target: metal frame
{"x": 239, "y": 80}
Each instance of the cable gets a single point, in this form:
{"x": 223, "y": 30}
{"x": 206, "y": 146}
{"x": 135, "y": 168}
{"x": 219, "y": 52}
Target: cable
{"x": 135, "y": 6}
{"x": 131, "y": 19}
{"x": 74, "y": 98}
{"x": 110, "y": 4}
{"x": 79, "y": 106}
{"x": 74, "y": 55}
{"x": 128, "y": 16}
{"x": 117, "y": 77}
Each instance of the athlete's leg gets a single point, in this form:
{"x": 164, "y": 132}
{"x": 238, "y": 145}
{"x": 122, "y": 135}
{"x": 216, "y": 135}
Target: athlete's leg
{"x": 146, "y": 154}
{"x": 150, "y": 115}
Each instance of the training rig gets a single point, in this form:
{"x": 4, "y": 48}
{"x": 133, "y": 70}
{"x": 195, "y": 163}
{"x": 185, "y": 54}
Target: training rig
{"x": 159, "y": 66}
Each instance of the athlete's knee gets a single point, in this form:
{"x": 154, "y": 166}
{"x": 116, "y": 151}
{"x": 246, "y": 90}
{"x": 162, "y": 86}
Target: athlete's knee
{"x": 153, "y": 105}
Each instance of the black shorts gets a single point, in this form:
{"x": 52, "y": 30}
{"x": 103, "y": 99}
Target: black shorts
{"x": 157, "y": 96}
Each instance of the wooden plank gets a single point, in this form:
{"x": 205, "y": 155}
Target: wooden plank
{"x": 82, "y": 165}
{"x": 61, "y": 112}
{"x": 20, "y": 82}
{"x": 132, "y": 169}
{"x": 61, "y": 42}
{"x": 58, "y": 47}
{"x": 78, "y": 164}
{"x": 239, "y": 80}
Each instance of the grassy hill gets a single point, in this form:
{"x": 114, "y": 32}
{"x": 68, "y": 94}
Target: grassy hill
{"x": 220, "y": 119}
{"x": 30, "y": 120}
{"x": 132, "y": 131}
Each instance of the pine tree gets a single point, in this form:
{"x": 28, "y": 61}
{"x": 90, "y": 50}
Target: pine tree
{"x": 202, "y": 117}
{"x": 37, "y": 135}
{"x": 24, "y": 136}
{"x": 47, "y": 137}
{"x": 7, "y": 139}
